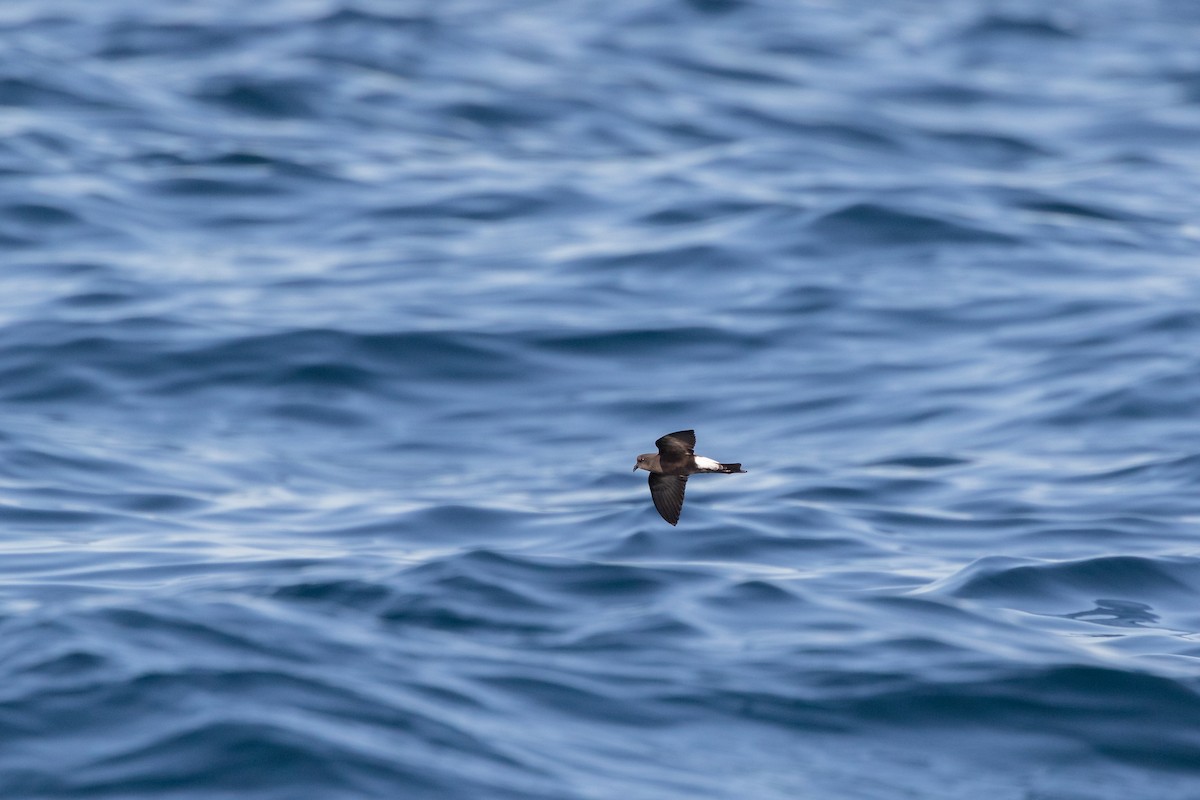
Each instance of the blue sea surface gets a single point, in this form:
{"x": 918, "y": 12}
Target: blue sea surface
{"x": 330, "y": 330}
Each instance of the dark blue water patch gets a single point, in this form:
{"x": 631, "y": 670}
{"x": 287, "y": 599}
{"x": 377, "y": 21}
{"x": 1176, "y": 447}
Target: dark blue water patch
{"x": 687, "y": 258}
{"x": 281, "y": 98}
{"x": 876, "y": 225}
{"x": 761, "y": 707}
{"x": 24, "y": 224}
{"x": 460, "y": 612}
{"x": 867, "y": 490}
{"x": 188, "y": 695}
{"x": 318, "y": 414}
{"x": 1085, "y": 709}
{"x": 698, "y": 211}
{"x": 51, "y": 95}
{"x": 755, "y": 595}
{"x": 482, "y": 205}
{"x": 153, "y": 503}
{"x": 1173, "y": 580}
{"x": 218, "y": 188}
{"x": 234, "y": 165}
{"x": 33, "y": 519}
{"x": 27, "y": 153}
{"x": 742, "y": 543}
{"x": 483, "y": 594}
{"x": 993, "y": 150}
{"x": 1180, "y": 321}
{"x": 561, "y": 696}
{"x": 102, "y": 299}
{"x": 251, "y": 757}
{"x": 729, "y": 70}
{"x": 50, "y": 388}
{"x": 1163, "y": 470}
{"x": 1153, "y": 399}
{"x": 561, "y": 578}
{"x": 1099, "y": 699}
{"x": 716, "y": 6}
{"x": 70, "y": 365}
{"x": 137, "y": 39}
{"x": 812, "y": 299}
{"x": 450, "y": 523}
{"x": 947, "y": 92}
{"x": 1062, "y": 208}
{"x": 1018, "y": 27}
{"x": 649, "y": 633}
{"x": 349, "y": 592}
{"x": 507, "y": 111}
{"x": 1189, "y": 86}
{"x": 923, "y": 461}
{"x": 756, "y": 604}
{"x": 858, "y": 133}
{"x": 72, "y": 471}
{"x": 224, "y": 197}
{"x": 650, "y": 343}
{"x": 39, "y": 215}
{"x": 1118, "y": 613}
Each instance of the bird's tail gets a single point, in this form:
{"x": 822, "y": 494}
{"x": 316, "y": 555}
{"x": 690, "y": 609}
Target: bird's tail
{"x": 731, "y": 468}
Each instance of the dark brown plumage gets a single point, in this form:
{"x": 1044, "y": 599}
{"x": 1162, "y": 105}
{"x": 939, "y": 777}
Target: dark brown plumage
{"x": 670, "y": 467}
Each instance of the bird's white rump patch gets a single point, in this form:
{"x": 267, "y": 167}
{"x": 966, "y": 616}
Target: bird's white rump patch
{"x": 707, "y": 463}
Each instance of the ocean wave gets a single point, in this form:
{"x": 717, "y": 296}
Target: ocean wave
{"x": 328, "y": 333}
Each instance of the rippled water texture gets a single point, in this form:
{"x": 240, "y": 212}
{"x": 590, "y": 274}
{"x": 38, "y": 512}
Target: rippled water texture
{"x": 330, "y": 329}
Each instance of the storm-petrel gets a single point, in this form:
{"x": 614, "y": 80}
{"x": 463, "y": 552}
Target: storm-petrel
{"x": 669, "y": 469}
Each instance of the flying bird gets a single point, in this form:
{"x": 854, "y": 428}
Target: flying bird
{"x": 669, "y": 469}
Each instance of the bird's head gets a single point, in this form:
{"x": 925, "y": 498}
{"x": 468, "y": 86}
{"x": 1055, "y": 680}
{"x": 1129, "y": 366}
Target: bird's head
{"x": 644, "y": 462}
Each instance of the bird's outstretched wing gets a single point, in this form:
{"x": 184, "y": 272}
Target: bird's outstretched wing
{"x": 674, "y": 443}
{"x": 667, "y": 493}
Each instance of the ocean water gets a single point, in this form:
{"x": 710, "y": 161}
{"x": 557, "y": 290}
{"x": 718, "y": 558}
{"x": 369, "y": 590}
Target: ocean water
{"x": 330, "y": 330}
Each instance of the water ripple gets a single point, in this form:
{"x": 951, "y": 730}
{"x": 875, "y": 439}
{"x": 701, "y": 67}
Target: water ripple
{"x": 328, "y": 332}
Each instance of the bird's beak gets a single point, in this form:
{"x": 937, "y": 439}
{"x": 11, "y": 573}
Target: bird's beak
{"x": 635, "y": 466}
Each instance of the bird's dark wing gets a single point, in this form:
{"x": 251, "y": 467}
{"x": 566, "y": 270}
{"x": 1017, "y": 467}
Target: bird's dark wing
{"x": 675, "y": 452}
{"x": 667, "y": 492}
{"x": 679, "y": 442}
